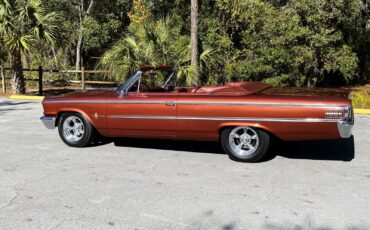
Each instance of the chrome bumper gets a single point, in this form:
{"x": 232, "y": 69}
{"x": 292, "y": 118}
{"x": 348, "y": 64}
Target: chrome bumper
{"x": 345, "y": 129}
{"x": 49, "y": 122}
{"x": 345, "y": 126}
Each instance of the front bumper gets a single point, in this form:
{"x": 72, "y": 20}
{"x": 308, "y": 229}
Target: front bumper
{"x": 49, "y": 122}
{"x": 345, "y": 129}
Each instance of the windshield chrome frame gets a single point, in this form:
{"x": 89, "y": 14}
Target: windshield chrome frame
{"x": 123, "y": 89}
{"x": 172, "y": 75}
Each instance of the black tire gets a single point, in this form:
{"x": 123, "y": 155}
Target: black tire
{"x": 262, "y": 140}
{"x": 82, "y": 139}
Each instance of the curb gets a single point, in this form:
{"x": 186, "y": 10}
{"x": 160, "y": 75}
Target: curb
{"x": 24, "y": 97}
{"x": 362, "y": 111}
{"x": 40, "y": 98}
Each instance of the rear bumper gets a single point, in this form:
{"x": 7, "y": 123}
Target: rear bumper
{"x": 49, "y": 122}
{"x": 345, "y": 129}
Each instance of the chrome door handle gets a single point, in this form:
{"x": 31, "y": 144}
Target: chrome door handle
{"x": 170, "y": 103}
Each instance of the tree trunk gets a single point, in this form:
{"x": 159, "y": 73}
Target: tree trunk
{"x": 55, "y": 56}
{"x": 309, "y": 86}
{"x": 363, "y": 53}
{"x": 194, "y": 33}
{"x": 80, "y": 35}
{"x": 78, "y": 51}
{"x": 25, "y": 62}
{"x": 79, "y": 40}
{"x": 16, "y": 71}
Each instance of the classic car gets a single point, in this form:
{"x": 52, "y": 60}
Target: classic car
{"x": 242, "y": 115}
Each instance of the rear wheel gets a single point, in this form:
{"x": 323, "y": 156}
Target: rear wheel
{"x": 75, "y": 130}
{"x": 245, "y": 144}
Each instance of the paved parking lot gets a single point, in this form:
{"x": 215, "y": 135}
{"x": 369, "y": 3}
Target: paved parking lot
{"x": 151, "y": 184}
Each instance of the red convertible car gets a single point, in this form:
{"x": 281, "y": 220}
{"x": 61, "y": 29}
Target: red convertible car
{"x": 241, "y": 115}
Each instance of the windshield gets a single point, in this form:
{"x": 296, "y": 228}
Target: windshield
{"x": 148, "y": 79}
{"x": 129, "y": 81}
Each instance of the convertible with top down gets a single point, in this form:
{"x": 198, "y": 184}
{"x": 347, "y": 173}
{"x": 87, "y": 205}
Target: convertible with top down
{"x": 244, "y": 116}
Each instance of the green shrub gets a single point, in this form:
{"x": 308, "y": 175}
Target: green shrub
{"x": 285, "y": 80}
{"x": 361, "y": 97}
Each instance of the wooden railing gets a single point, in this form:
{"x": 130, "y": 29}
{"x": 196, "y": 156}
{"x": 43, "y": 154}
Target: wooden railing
{"x": 41, "y": 72}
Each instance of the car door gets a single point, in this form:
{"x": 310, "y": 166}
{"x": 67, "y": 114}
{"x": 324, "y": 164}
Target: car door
{"x": 143, "y": 115}
{"x": 194, "y": 114}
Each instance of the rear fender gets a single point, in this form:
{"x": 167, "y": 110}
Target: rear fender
{"x": 249, "y": 124}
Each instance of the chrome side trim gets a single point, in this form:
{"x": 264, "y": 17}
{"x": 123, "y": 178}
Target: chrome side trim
{"x": 259, "y": 104}
{"x": 298, "y": 120}
{"x": 75, "y": 102}
{"x": 144, "y": 117}
{"x": 107, "y": 102}
{"x": 49, "y": 122}
{"x": 138, "y": 102}
{"x": 306, "y": 120}
{"x": 195, "y": 103}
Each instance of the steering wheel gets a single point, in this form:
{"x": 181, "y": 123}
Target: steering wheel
{"x": 144, "y": 87}
{"x": 169, "y": 88}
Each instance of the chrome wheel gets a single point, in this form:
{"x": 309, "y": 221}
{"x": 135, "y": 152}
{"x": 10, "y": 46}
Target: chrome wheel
{"x": 73, "y": 129}
{"x": 243, "y": 141}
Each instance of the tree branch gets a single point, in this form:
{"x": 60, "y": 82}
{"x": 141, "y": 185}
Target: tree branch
{"x": 90, "y": 7}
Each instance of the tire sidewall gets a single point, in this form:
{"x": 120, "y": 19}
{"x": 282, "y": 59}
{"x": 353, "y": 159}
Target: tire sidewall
{"x": 264, "y": 141}
{"x": 85, "y": 140}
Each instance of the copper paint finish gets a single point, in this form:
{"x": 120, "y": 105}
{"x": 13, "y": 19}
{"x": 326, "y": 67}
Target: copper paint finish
{"x": 183, "y": 115}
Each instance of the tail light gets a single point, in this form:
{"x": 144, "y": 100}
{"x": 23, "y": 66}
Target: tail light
{"x": 345, "y": 114}
{"x": 335, "y": 114}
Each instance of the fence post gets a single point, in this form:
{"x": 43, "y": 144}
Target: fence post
{"x": 83, "y": 77}
{"x": 40, "y": 80}
{"x": 3, "y": 79}
{"x": 110, "y": 75}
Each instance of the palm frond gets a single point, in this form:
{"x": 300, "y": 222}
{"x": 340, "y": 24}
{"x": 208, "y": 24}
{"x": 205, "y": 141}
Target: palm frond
{"x": 27, "y": 21}
{"x": 154, "y": 43}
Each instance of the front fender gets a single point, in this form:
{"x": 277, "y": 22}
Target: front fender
{"x": 96, "y": 119}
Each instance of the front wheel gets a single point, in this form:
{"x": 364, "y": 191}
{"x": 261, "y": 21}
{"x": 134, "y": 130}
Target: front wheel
{"x": 245, "y": 144}
{"x": 75, "y": 130}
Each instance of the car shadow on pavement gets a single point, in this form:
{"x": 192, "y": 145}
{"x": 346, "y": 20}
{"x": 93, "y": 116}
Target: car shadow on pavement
{"x": 8, "y": 103}
{"x": 175, "y": 145}
{"x": 6, "y": 106}
{"x": 334, "y": 150}
{"x": 5, "y": 111}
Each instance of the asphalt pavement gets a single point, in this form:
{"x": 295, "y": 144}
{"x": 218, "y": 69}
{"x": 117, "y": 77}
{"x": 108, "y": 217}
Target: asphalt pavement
{"x": 160, "y": 184}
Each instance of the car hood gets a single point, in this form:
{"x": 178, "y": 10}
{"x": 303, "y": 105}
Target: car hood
{"x": 83, "y": 94}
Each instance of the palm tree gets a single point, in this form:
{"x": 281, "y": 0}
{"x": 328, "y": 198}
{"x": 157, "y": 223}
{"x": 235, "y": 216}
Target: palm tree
{"x": 24, "y": 23}
{"x": 154, "y": 43}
